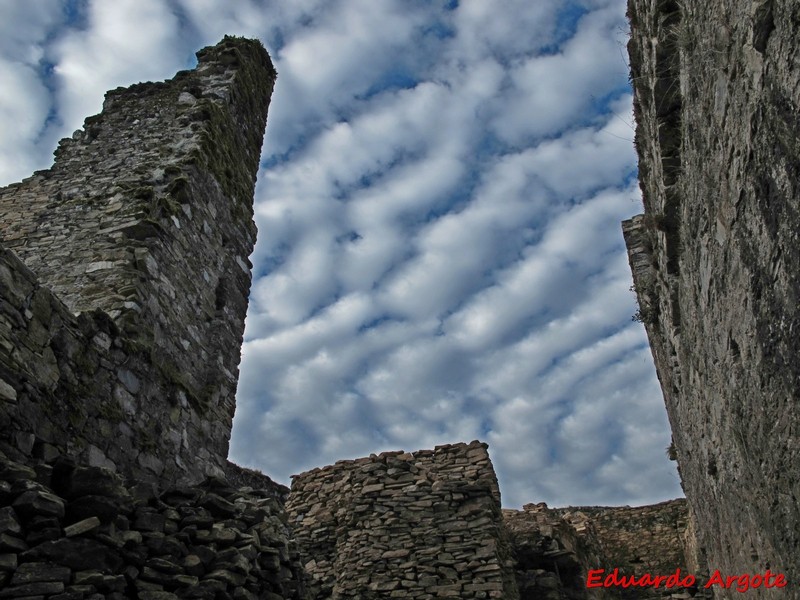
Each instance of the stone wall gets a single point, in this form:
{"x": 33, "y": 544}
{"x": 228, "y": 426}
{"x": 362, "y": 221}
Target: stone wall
{"x": 69, "y": 532}
{"x": 655, "y": 539}
{"x": 716, "y": 263}
{"x": 556, "y": 548}
{"x": 552, "y": 556}
{"x": 142, "y": 226}
{"x": 123, "y": 289}
{"x": 641, "y": 539}
{"x": 419, "y": 525}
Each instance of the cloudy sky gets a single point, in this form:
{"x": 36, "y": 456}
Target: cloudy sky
{"x": 440, "y": 256}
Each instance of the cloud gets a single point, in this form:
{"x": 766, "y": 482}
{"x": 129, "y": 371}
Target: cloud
{"x": 212, "y": 19}
{"x": 25, "y": 100}
{"x": 555, "y": 92}
{"x": 125, "y": 41}
{"x": 482, "y": 29}
{"x": 343, "y": 52}
{"x": 440, "y": 256}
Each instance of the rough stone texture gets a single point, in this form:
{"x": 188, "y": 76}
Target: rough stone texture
{"x": 78, "y": 532}
{"x": 561, "y": 545}
{"x": 239, "y": 476}
{"x": 716, "y": 263}
{"x": 552, "y": 555}
{"x": 417, "y": 525}
{"x": 655, "y": 539}
{"x": 143, "y": 226}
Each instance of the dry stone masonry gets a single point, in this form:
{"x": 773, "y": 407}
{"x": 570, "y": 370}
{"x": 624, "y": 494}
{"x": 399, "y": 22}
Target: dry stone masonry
{"x": 552, "y": 555}
{"x": 555, "y": 548}
{"x": 142, "y": 228}
{"x": 419, "y": 525}
{"x": 655, "y": 539}
{"x": 69, "y": 532}
{"x": 716, "y": 264}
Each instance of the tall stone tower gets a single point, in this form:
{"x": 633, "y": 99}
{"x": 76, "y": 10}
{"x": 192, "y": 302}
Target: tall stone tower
{"x": 143, "y": 227}
{"x": 716, "y": 263}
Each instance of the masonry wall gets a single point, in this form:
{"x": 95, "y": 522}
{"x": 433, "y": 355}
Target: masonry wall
{"x": 556, "y": 548}
{"x": 142, "y": 227}
{"x": 643, "y": 539}
{"x": 716, "y": 263}
{"x": 552, "y": 555}
{"x": 70, "y": 532}
{"x": 417, "y": 525}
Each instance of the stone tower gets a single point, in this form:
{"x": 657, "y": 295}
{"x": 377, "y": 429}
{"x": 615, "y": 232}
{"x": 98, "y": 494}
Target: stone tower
{"x": 142, "y": 229}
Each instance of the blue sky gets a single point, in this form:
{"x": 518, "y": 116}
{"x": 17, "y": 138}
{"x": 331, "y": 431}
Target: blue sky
{"x": 439, "y": 256}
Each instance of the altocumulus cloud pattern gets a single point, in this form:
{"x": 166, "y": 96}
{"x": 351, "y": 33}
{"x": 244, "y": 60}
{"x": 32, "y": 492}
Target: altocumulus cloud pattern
{"x": 439, "y": 256}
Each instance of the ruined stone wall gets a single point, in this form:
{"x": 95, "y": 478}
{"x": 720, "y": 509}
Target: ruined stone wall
{"x": 417, "y": 525}
{"x": 716, "y": 263}
{"x": 552, "y": 556}
{"x": 641, "y": 539}
{"x": 70, "y": 532}
{"x": 143, "y": 226}
{"x": 556, "y": 548}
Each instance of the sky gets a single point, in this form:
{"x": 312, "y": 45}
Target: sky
{"x": 439, "y": 257}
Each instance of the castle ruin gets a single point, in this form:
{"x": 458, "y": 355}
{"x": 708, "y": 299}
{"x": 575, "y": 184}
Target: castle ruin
{"x": 123, "y": 289}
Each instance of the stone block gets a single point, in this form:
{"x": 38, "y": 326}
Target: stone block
{"x": 81, "y": 527}
{"x": 38, "y": 502}
{"x": 35, "y": 572}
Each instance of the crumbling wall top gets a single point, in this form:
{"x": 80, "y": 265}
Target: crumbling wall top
{"x": 426, "y": 523}
{"x": 146, "y": 217}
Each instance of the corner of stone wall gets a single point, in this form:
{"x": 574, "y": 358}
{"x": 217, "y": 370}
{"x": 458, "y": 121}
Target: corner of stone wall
{"x": 419, "y": 525}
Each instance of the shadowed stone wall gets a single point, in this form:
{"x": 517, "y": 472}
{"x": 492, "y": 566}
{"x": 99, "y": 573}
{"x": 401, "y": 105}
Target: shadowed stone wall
{"x": 552, "y": 556}
{"x": 71, "y": 532}
{"x": 716, "y": 263}
{"x": 417, "y": 525}
{"x": 655, "y": 539}
{"x": 142, "y": 227}
{"x": 556, "y": 548}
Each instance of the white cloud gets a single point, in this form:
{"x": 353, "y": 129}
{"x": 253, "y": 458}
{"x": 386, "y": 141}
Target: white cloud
{"x": 554, "y": 92}
{"x": 126, "y": 41}
{"x": 21, "y": 117}
{"x": 24, "y": 97}
{"x": 339, "y": 56}
{"x": 484, "y": 28}
{"x": 439, "y": 257}
{"x": 214, "y": 19}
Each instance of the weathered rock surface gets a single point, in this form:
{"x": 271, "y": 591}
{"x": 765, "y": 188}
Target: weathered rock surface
{"x": 716, "y": 263}
{"x": 143, "y": 226}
